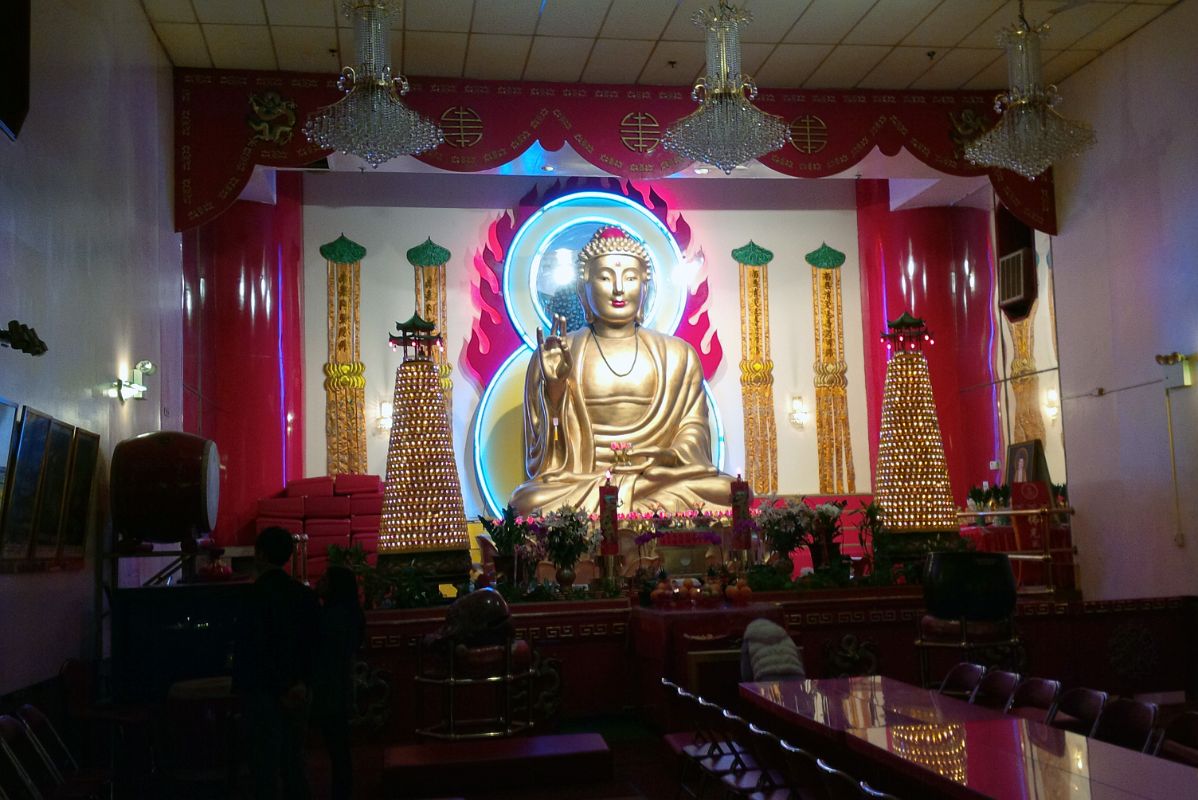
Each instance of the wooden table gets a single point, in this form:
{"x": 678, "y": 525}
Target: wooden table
{"x": 917, "y": 743}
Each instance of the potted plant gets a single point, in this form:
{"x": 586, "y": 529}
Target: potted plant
{"x": 567, "y": 537}
{"x": 785, "y": 525}
{"x": 507, "y": 534}
{"x": 825, "y": 532}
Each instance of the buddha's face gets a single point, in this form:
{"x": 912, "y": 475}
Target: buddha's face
{"x": 615, "y": 288}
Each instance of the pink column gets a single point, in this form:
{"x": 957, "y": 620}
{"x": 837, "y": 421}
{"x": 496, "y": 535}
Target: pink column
{"x": 937, "y": 263}
{"x": 242, "y": 343}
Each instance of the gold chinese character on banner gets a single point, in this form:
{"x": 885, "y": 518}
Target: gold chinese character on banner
{"x": 640, "y": 132}
{"x": 462, "y": 126}
{"x": 757, "y": 368}
{"x": 808, "y": 134}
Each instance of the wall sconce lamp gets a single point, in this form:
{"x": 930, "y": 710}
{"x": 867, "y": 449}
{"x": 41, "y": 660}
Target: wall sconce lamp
{"x": 382, "y": 423}
{"x": 1052, "y": 405}
{"x": 133, "y": 387}
{"x": 799, "y": 414}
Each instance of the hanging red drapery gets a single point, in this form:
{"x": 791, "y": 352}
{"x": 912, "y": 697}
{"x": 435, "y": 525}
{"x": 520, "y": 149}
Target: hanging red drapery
{"x": 227, "y": 122}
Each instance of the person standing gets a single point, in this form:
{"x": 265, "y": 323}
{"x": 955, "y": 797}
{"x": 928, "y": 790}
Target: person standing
{"x": 342, "y": 628}
{"x": 272, "y": 669}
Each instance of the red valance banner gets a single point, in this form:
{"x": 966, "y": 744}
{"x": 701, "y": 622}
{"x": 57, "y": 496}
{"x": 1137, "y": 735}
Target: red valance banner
{"x": 227, "y": 122}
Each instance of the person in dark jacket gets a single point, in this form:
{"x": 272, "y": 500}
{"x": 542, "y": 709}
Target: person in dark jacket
{"x": 342, "y": 628}
{"x": 272, "y": 669}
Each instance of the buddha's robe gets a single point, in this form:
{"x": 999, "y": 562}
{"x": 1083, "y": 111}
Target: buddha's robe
{"x": 659, "y": 404}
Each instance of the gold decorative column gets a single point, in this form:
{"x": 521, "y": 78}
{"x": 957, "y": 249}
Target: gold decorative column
{"x": 911, "y": 482}
{"x": 344, "y": 374}
{"x": 1025, "y": 382}
{"x": 429, "y": 260}
{"x": 831, "y": 385}
{"x": 757, "y": 369}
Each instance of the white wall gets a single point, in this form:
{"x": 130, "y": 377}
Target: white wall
{"x": 1126, "y": 290}
{"x": 387, "y": 231}
{"x": 87, "y": 257}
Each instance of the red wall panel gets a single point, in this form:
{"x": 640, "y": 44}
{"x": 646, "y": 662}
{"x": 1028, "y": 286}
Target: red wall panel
{"x": 937, "y": 263}
{"x": 243, "y": 356}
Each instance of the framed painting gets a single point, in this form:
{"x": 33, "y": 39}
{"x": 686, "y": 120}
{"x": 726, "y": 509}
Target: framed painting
{"x": 1026, "y": 463}
{"x": 76, "y": 509}
{"x": 8, "y": 439}
{"x": 47, "y": 520}
{"x": 20, "y": 502}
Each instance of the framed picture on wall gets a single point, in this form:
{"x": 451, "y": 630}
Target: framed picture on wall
{"x": 47, "y": 519}
{"x": 76, "y": 514}
{"x": 1026, "y": 463}
{"x": 8, "y": 439}
{"x": 20, "y": 502}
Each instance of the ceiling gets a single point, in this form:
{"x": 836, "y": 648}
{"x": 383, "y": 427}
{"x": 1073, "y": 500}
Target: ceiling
{"x": 827, "y": 44}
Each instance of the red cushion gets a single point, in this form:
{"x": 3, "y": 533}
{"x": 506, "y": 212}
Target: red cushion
{"x": 290, "y": 525}
{"x": 366, "y": 504}
{"x": 949, "y": 630}
{"x": 327, "y": 527}
{"x": 305, "y": 487}
{"x": 358, "y": 484}
{"x": 290, "y": 507}
{"x": 318, "y": 546}
{"x": 326, "y": 507}
{"x": 364, "y": 523}
{"x": 316, "y": 567}
{"x": 369, "y": 541}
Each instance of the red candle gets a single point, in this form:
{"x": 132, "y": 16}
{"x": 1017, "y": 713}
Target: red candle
{"x": 609, "y": 500}
{"x": 740, "y": 514}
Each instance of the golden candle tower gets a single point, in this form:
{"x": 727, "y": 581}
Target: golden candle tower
{"x": 757, "y": 368}
{"x": 422, "y": 505}
{"x": 429, "y": 260}
{"x": 911, "y": 483}
{"x": 831, "y": 385}
{"x": 344, "y": 373}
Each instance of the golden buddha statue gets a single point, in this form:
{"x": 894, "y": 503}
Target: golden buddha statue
{"x": 615, "y": 382}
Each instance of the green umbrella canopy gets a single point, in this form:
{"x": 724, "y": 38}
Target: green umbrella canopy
{"x": 825, "y": 257}
{"x": 428, "y": 254}
{"x": 752, "y": 255}
{"x": 343, "y": 251}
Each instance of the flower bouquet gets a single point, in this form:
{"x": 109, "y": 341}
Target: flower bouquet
{"x": 567, "y": 536}
{"x": 785, "y": 525}
{"x": 511, "y": 537}
{"x": 825, "y": 532}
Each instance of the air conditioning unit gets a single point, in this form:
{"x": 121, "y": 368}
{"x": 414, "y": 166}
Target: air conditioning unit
{"x": 1017, "y": 287}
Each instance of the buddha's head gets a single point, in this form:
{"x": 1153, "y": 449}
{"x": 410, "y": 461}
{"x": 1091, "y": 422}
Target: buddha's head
{"x": 614, "y": 273}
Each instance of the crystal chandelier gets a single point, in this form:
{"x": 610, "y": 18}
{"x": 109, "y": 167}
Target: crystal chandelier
{"x": 1030, "y": 134}
{"x": 727, "y": 129}
{"x": 371, "y": 122}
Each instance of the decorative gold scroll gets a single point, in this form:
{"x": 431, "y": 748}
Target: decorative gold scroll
{"x": 833, "y": 441}
{"x": 344, "y": 374}
{"x": 757, "y": 369}
{"x": 1025, "y": 382}
{"x": 429, "y": 260}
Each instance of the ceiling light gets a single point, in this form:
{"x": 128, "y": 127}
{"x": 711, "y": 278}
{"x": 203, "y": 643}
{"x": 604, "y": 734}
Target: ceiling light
{"x": 1030, "y": 135}
{"x": 727, "y": 129}
{"x": 371, "y": 122}
{"x": 546, "y": 168}
{"x": 701, "y": 170}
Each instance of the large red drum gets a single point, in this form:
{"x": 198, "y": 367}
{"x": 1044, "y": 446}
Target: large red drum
{"x": 165, "y": 486}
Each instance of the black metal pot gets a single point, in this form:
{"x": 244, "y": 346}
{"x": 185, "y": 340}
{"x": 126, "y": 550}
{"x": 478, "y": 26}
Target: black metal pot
{"x": 969, "y": 585}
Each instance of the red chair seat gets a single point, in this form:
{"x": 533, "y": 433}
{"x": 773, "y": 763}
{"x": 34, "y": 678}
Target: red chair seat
{"x": 949, "y": 630}
{"x": 478, "y": 662}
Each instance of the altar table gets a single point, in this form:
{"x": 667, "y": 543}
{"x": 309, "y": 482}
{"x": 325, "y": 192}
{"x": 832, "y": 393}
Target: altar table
{"x": 917, "y": 743}
{"x": 1028, "y": 539}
